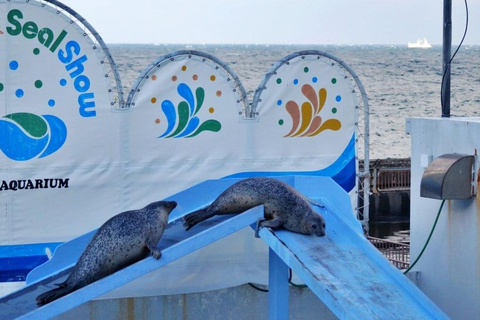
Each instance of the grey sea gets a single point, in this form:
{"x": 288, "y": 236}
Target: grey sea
{"x": 400, "y": 82}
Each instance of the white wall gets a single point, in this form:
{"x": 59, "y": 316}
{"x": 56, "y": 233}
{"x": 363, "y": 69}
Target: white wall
{"x": 450, "y": 267}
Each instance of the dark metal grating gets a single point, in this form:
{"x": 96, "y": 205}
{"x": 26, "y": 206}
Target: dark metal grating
{"x": 397, "y": 253}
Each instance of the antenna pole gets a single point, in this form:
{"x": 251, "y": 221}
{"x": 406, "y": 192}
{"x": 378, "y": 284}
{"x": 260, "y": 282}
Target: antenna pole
{"x": 447, "y": 47}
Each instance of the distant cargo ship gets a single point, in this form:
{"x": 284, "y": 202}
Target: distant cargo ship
{"x": 420, "y": 44}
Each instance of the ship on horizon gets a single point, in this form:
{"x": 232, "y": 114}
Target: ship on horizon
{"x": 420, "y": 44}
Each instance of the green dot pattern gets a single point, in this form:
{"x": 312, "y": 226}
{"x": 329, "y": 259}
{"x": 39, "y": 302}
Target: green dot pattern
{"x": 38, "y": 84}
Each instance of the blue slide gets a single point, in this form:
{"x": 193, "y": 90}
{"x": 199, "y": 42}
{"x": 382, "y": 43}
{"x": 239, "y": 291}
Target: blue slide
{"x": 343, "y": 269}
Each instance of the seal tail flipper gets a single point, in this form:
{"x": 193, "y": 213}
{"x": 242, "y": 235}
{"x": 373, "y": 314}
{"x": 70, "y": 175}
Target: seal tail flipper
{"x": 54, "y": 294}
{"x": 195, "y": 217}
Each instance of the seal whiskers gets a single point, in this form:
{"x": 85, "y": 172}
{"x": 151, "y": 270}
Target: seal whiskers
{"x": 124, "y": 239}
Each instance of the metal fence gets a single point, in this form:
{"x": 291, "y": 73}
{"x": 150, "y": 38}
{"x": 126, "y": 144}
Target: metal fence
{"x": 391, "y": 179}
{"x": 397, "y": 253}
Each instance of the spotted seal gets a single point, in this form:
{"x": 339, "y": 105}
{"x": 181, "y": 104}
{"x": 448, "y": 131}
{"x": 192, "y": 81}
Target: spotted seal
{"x": 124, "y": 239}
{"x": 283, "y": 206}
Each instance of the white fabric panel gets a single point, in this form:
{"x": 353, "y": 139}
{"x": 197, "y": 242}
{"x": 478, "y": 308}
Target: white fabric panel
{"x": 56, "y": 122}
{"x": 102, "y": 161}
{"x": 286, "y": 88}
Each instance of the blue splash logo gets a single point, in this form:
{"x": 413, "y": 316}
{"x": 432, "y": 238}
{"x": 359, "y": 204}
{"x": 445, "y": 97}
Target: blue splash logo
{"x": 27, "y": 135}
{"x": 185, "y": 115}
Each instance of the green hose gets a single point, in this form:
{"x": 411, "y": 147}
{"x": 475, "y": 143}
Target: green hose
{"x": 428, "y": 240}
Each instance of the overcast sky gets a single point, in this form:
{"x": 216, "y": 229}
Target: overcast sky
{"x": 276, "y": 21}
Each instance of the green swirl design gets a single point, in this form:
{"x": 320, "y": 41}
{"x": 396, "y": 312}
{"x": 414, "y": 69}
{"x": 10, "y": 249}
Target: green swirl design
{"x": 34, "y": 125}
{"x": 209, "y": 125}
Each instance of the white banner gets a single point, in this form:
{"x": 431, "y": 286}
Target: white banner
{"x": 69, "y": 160}
{"x": 60, "y": 139}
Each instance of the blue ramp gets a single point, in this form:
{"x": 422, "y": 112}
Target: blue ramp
{"x": 174, "y": 244}
{"x": 343, "y": 269}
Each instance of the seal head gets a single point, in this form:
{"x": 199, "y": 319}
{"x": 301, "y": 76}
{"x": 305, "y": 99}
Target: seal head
{"x": 315, "y": 225}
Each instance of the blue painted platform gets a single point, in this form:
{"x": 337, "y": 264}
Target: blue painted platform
{"x": 174, "y": 244}
{"x": 352, "y": 278}
{"x": 343, "y": 269}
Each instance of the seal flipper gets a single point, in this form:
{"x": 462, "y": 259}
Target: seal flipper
{"x": 257, "y": 228}
{"x": 49, "y": 296}
{"x": 198, "y": 216}
{"x": 274, "y": 223}
{"x": 153, "y": 250}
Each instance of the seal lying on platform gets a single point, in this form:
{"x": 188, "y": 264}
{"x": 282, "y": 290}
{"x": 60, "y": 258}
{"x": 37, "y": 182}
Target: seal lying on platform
{"x": 284, "y": 206}
{"x": 124, "y": 239}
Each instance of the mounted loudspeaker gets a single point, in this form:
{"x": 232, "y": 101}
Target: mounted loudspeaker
{"x": 449, "y": 177}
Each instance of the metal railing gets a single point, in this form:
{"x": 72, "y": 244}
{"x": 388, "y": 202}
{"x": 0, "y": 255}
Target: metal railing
{"x": 391, "y": 180}
{"x": 397, "y": 253}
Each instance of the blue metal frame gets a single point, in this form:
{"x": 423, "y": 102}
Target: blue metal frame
{"x": 21, "y": 304}
{"x": 278, "y": 287}
{"x": 349, "y": 275}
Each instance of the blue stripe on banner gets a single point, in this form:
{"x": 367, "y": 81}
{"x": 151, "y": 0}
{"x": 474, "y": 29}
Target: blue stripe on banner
{"x": 16, "y": 261}
{"x": 16, "y": 269}
{"x": 21, "y": 250}
{"x": 342, "y": 171}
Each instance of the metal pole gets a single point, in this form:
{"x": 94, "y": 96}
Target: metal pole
{"x": 447, "y": 46}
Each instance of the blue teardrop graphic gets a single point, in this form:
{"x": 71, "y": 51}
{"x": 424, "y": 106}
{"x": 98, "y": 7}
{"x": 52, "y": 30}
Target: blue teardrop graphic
{"x": 192, "y": 125}
{"x": 58, "y": 134}
{"x": 185, "y": 92}
{"x": 171, "y": 115}
{"x": 17, "y": 144}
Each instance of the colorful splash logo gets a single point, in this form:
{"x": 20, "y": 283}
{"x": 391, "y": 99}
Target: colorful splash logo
{"x": 183, "y": 121}
{"x": 29, "y": 135}
{"x": 306, "y": 121}
{"x": 24, "y": 135}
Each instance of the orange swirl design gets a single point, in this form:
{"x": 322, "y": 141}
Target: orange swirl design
{"x": 306, "y": 121}
{"x": 307, "y": 115}
{"x": 294, "y": 111}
